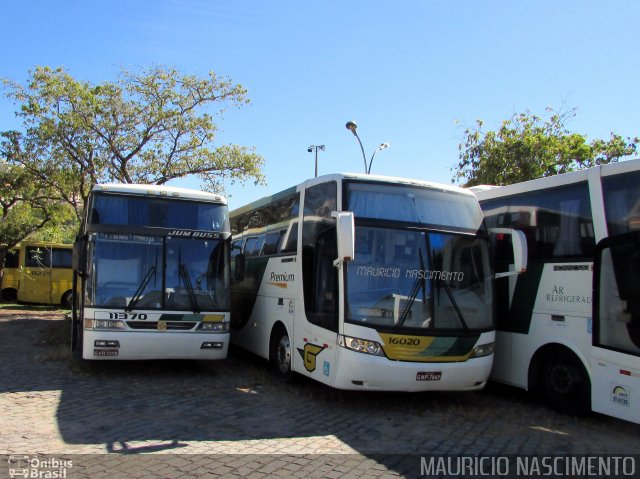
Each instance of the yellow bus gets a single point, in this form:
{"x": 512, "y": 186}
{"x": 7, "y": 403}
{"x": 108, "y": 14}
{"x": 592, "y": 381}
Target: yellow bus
{"x": 10, "y": 274}
{"x": 39, "y": 273}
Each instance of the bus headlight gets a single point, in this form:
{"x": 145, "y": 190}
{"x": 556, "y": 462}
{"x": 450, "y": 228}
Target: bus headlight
{"x": 482, "y": 350}
{"x": 360, "y": 345}
{"x": 222, "y": 327}
{"x": 103, "y": 324}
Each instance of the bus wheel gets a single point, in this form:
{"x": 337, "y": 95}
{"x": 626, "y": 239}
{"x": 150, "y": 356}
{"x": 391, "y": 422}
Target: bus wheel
{"x": 67, "y": 300}
{"x": 76, "y": 340}
{"x": 9, "y": 294}
{"x": 281, "y": 353}
{"x": 565, "y": 382}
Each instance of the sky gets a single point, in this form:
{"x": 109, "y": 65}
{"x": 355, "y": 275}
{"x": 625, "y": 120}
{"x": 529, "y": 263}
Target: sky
{"x": 412, "y": 73}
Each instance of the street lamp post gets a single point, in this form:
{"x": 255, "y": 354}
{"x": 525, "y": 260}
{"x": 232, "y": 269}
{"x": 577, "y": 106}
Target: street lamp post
{"x": 352, "y": 127}
{"x": 381, "y": 147}
{"x": 316, "y": 148}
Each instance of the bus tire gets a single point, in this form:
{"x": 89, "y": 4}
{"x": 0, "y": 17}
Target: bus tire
{"x": 280, "y": 352}
{"x": 76, "y": 341}
{"x": 564, "y": 382}
{"x": 9, "y": 294}
{"x": 67, "y": 300}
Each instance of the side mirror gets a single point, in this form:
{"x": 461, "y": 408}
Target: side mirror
{"x": 346, "y": 232}
{"x": 518, "y": 246}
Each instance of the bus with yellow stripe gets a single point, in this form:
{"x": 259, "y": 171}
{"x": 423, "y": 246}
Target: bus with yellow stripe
{"x": 367, "y": 282}
{"x": 151, "y": 275}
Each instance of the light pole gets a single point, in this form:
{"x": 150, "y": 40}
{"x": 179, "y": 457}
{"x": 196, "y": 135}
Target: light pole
{"x": 352, "y": 127}
{"x": 316, "y": 147}
{"x": 381, "y": 147}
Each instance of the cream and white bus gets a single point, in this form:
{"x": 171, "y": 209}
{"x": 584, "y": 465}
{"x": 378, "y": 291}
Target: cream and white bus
{"x": 569, "y": 327}
{"x": 151, "y": 273}
{"x": 366, "y": 282}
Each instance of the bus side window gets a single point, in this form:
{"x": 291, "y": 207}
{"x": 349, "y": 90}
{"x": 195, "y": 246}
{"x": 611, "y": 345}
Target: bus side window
{"x": 38, "y": 257}
{"x": 61, "y": 258}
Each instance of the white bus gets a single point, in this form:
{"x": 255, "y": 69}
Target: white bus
{"x": 563, "y": 331}
{"x": 151, "y": 275}
{"x": 366, "y": 282}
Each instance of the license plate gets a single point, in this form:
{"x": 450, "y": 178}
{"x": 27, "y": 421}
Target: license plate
{"x": 430, "y": 376}
{"x": 105, "y": 352}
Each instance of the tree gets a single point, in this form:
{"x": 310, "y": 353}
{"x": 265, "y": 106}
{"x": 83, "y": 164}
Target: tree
{"x": 27, "y": 207}
{"x": 526, "y": 147}
{"x": 147, "y": 127}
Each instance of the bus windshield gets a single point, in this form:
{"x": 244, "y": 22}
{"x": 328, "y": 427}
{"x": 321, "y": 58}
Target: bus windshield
{"x": 150, "y": 272}
{"x": 428, "y": 206}
{"x": 110, "y": 209}
{"x": 402, "y": 279}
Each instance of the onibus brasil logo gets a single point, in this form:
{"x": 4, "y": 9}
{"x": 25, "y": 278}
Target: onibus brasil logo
{"x": 38, "y": 467}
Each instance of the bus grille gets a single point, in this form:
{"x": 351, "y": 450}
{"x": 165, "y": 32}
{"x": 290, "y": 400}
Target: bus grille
{"x": 171, "y": 325}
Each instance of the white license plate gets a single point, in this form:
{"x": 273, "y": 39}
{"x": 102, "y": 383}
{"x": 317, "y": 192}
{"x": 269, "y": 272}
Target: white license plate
{"x": 105, "y": 352}
{"x": 430, "y": 376}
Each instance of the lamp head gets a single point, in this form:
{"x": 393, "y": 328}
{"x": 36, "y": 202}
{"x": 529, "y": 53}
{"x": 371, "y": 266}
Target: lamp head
{"x": 352, "y": 127}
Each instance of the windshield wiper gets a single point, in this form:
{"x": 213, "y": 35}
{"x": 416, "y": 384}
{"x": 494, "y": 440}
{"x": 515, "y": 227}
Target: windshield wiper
{"x": 454, "y": 303}
{"x": 184, "y": 274}
{"x": 141, "y": 287}
{"x": 420, "y": 281}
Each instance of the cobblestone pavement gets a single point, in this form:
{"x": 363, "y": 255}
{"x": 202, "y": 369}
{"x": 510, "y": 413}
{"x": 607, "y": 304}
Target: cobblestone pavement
{"x": 232, "y": 418}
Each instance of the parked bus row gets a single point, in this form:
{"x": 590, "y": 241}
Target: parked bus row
{"x": 376, "y": 283}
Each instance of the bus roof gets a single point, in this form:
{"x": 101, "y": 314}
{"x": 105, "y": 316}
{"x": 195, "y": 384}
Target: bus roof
{"x": 484, "y": 192}
{"x": 160, "y": 190}
{"x": 349, "y": 176}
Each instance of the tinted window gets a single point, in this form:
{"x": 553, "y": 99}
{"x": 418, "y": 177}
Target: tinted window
{"x": 37, "y": 257}
{"x": 318, "y": 252}
{"x": 109, "y": 209}
{"x": 11, "y": 260}
{"x": 435, "y": 207}
{"x": 622, "y": 202}
{"x": 556, "y": 222}
{"x": 277, "y": 211}
{"x": 61, "y": 257}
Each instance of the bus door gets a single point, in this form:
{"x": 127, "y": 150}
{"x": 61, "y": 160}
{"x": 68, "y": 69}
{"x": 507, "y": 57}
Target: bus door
{"x": 35, "y": 283}
{"x": 615, "y": 362}
{"x": 316, "y": 336}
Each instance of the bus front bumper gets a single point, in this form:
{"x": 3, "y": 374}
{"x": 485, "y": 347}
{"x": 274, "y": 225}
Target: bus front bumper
{"x": 110, "y": 345}
{"x": 358, "y": 371}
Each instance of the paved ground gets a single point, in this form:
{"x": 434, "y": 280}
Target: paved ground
{"x": 232, "y": 418}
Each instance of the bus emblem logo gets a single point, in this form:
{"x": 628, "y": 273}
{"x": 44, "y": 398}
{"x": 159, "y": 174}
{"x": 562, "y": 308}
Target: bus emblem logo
{"x": 162, "y": 325}
{"x": 309, "y": 354}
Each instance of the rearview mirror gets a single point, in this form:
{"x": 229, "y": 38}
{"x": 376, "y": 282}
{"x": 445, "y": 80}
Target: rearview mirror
{"x": 345, "y": 230}
{"x": 518, "y": 247}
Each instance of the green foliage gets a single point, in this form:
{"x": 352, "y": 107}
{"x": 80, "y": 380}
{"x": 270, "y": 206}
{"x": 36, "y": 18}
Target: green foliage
{"x": 150, "y": 127}
{"x": 526, "y": 147}
{"x": 29, "y": 209}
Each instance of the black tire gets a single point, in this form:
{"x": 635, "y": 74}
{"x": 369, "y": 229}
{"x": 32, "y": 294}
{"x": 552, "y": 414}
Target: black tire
{"x": 67, "y": 300}
{"x": 76, "y": 341}
{"x": 280, "y": 353}
{"x": 565, "y": 383}
{"x": 9, "y": 294}
{"x": 76, "y": 324}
